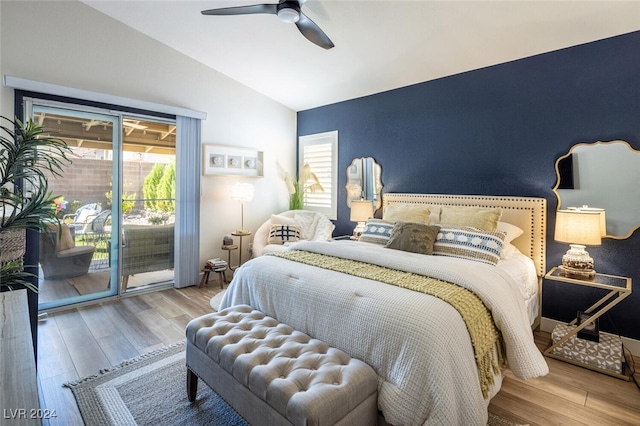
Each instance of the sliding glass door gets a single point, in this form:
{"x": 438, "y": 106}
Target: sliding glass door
{"x": 80, "y": 263}
{"x": 116, "y": 203}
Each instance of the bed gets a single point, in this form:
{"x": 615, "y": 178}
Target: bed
{"x": 419, "y": 345}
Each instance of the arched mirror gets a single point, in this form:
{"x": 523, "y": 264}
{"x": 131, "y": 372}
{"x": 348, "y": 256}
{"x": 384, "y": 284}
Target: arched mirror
{"x": 364, "y": 181}
{"x": 602, "y": 175}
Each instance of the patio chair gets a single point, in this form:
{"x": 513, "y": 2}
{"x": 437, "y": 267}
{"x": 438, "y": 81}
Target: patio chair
{"x": 97, "y": 233}
{"x": 60, "y": 257}
{"x": 98, "y": 224}
{"x": 82, "y": 216}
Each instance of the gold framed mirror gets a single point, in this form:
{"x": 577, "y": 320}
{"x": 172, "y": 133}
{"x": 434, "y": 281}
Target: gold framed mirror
{"x": 364, "y": 181}
{"x": 602, "y": 175}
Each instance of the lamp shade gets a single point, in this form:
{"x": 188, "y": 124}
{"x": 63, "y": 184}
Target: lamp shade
{"x": 578, "y": 227}
{"x": 242, "y": 191}
{"x": 601, "y": 212}
{"x": 361, "y": 210}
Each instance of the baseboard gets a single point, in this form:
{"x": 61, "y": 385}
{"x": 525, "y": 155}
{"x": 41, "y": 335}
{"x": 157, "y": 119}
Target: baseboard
{"x": 547, "y": 325}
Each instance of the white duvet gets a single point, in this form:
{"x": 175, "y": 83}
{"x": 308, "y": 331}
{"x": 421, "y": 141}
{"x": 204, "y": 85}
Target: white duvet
{"x": 417, "y": 344}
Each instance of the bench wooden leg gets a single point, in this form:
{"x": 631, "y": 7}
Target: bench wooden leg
{"x": 192, "y": 385}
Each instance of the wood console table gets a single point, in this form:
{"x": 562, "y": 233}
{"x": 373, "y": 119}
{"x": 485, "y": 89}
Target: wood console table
{"x": 18, "y": 379}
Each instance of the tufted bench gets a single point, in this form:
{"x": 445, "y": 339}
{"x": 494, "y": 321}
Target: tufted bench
{"x": 272, "y": 374}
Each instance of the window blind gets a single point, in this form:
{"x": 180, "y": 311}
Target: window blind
{"x": 321, "y": 153}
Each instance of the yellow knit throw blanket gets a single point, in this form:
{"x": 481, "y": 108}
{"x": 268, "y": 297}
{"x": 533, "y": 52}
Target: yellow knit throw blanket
{"x": 482, "y": 330}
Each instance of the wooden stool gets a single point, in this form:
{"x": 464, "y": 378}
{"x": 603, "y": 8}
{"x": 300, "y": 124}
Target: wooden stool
{"x": 222, "y": 276}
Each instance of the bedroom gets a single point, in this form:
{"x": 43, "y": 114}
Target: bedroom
{"x": 502, "y": 121}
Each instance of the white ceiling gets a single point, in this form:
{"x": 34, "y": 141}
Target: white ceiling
{"x": 380, "y": 45}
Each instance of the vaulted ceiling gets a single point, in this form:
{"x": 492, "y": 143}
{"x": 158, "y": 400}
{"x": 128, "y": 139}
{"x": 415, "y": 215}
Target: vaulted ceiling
{"x": 379, "y": 45}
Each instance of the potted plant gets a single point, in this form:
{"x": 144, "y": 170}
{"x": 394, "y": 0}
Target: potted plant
{"x": 297, "y": 188}
{"x": 27, "y": 156}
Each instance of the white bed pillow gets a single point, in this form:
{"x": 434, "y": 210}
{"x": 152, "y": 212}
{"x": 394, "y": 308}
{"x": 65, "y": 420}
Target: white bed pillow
{"x": 512, "y": 231}
{"x": 509, "y": 250}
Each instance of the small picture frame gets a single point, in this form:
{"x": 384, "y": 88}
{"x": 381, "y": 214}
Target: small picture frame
{"x": 234, "y": 162}
{"x": 230, "y": 160}
{"x": 592, "y": 331}
{"x": 216, "y": 160}
{"x": 249, "y": 162}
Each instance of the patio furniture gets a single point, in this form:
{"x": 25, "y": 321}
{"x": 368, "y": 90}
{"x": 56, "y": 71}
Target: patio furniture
{"x": 83, "y": 216}
{"x": 146, "y": 248}
{"x": 59, "y": 255}
{"x": 97, "y": 233}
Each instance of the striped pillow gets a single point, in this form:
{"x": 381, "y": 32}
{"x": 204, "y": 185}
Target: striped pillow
{"x": 469, "y": 243}
{"x": 377, "y": 231}
{"x": 280, "y": 234}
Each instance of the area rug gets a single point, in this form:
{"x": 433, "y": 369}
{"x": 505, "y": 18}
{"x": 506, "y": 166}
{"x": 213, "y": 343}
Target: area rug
{"x": 151, "y": 390}
{"x": 215, "y": 300}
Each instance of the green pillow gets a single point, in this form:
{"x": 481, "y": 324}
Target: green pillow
{"x": 413, "y": 237}
{"x": 478, "y": 217}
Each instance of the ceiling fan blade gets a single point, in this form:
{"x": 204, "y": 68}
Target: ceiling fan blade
{"x": 243, "y": 10}
{"x": 313, "y": 33}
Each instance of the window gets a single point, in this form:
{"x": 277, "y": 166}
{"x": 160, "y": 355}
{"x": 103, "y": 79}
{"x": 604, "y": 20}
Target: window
{"x": 320, "y": 151}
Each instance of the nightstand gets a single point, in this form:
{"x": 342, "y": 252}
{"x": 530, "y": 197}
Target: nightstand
{"x": 605, "y": 356}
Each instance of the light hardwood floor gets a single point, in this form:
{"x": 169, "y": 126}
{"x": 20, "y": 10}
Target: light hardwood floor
{"x": 81, "y": 342}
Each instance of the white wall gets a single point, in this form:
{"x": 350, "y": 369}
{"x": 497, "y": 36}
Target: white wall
{"x": 70, "y": 44}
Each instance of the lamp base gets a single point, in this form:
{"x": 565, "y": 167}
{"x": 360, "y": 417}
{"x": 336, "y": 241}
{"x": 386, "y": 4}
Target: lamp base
{"x": 577, "y": 262}
{"x": 357, "y": 231}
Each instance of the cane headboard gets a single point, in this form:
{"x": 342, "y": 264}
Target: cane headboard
{"x": 527, "y": 213}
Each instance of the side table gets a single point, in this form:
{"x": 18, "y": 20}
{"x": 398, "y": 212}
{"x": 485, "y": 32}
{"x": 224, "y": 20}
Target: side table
{"x": 240, "y": 235}
{"x": 222, "y": 276}
{"x": 618, "y": 288}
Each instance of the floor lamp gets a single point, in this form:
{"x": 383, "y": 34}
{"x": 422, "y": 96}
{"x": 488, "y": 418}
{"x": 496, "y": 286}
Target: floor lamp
{"x": 242, "y": 192}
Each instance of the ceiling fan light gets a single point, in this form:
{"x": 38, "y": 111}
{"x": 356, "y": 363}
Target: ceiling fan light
{"x": 288, "y": 15}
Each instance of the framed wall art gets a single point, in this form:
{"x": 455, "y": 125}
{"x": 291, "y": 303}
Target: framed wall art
{"x": 230, "y": 160}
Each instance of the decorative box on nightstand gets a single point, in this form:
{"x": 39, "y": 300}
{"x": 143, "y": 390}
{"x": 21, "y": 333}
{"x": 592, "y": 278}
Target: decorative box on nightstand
{"x": 605, "y": 356}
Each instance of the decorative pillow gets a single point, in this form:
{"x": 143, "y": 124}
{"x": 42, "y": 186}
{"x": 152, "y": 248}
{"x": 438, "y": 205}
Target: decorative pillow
{"x": 280, "y": 234}
{"x": 477, "y": 217}
{"x": 324, "y": 229}
{"x": 66, "y": 240}
{"x": 512, "y": 231}
{"x": 308, "y": 223}
{"x": 377, "y": 231}
{"x": 277, "y": 219}
{"x": 469, "y": 243}
{"x": 413, "y": 237}
{"x": 407, "y": 212}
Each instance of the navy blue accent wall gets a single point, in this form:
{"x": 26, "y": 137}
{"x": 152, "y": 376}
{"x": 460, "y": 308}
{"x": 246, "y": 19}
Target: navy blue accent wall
{"x": 498, "y": 131}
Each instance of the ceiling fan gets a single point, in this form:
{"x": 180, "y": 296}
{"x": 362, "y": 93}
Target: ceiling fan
{"x": 287, "y": 11}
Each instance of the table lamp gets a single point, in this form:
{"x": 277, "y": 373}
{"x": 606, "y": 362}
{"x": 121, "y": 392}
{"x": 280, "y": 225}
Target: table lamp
{"x": 578, "y": 228}
{"x": 361, "y": 210}
{"x": 601, "y": 212}
{"x": 242, "y": 192}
